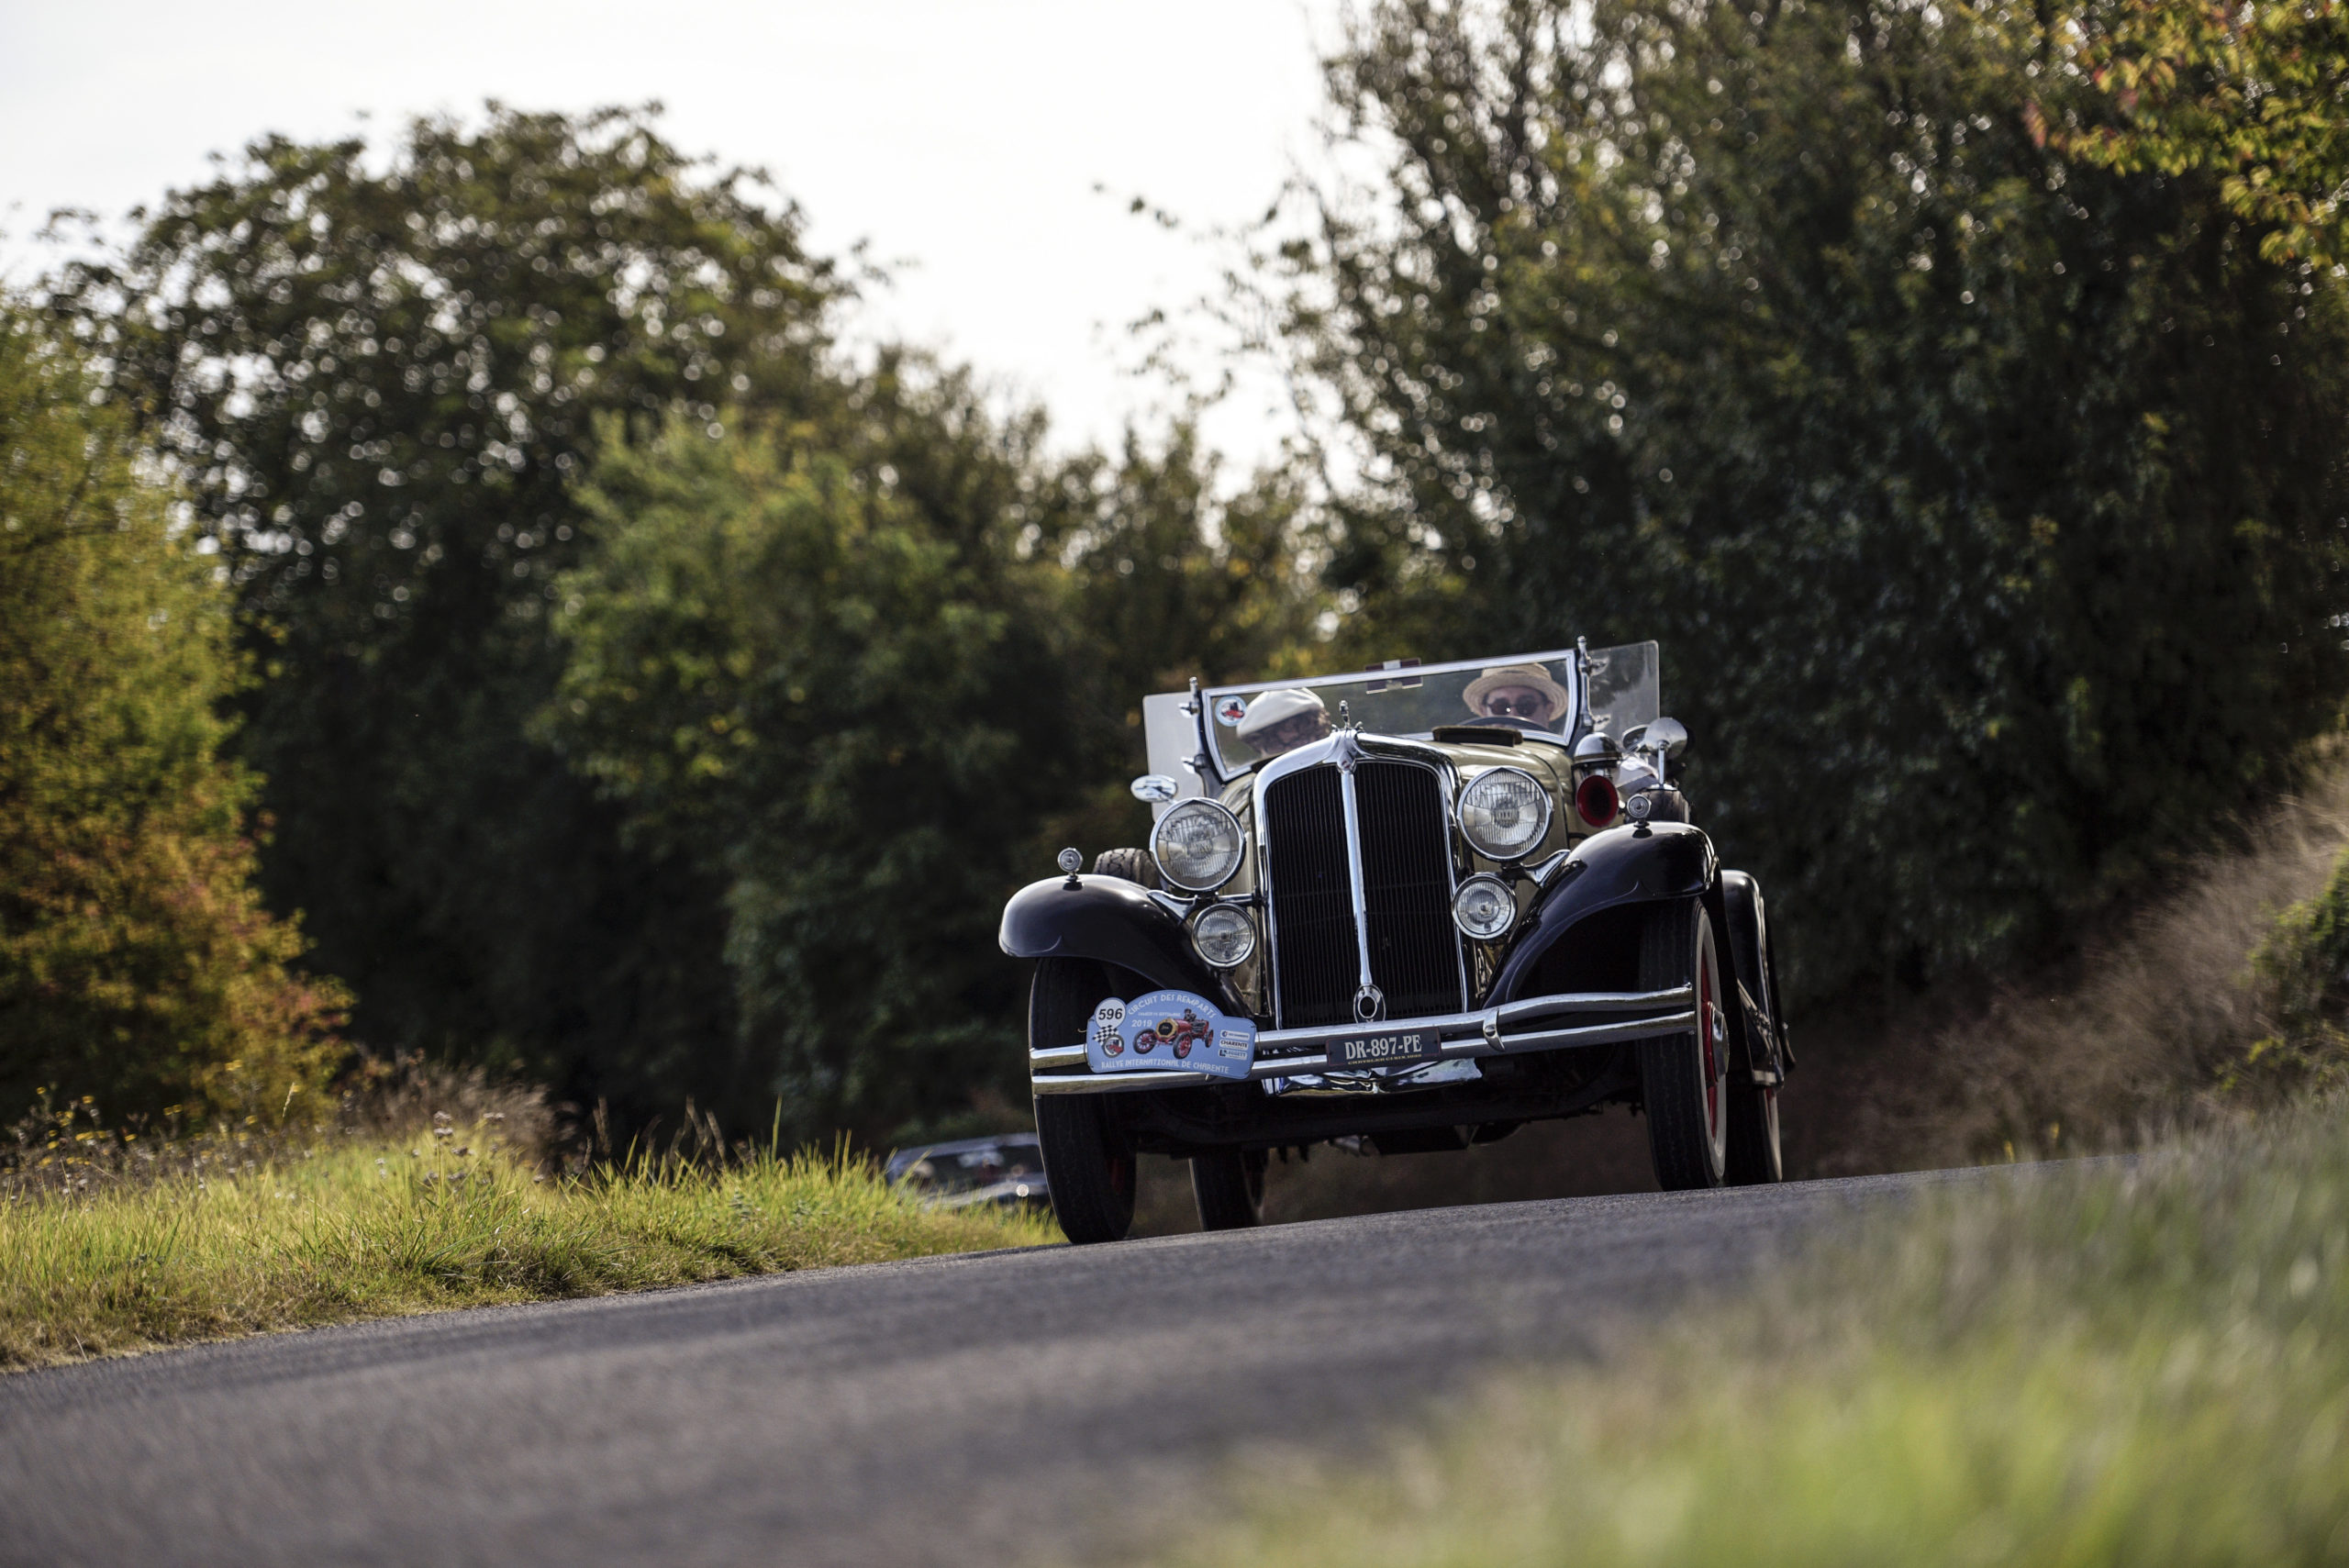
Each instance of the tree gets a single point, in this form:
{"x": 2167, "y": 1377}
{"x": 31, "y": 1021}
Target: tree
{"x": 137, "y": 965}
{"x": 868, "y": 684}
{"x": 1171, "y": 577}
{"x": 784, "y": 673}
{"x": 1988, "y": 507}
{"x": 377, "y": 379}
{"x": 2257, "y": 94}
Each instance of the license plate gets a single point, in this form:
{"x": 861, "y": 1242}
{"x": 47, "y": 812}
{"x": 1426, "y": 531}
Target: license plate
{"x": 1384, "y": 1049}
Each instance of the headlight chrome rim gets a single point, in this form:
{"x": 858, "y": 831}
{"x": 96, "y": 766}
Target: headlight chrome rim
{"x": 1218, "y": 819}
{"x": 1229, "y": 918}
{"x": 1472, "y": 892}
{"x": 1467, "y": 807}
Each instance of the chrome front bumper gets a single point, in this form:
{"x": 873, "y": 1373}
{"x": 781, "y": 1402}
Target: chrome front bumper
{"x": 1513, "y": 1029}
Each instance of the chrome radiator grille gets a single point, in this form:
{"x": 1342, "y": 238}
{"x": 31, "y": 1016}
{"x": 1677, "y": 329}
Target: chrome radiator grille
{"x": 1314, "y": 964}
{"x": 1407, "y": 885}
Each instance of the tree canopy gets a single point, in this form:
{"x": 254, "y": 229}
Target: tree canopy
{"x": 378, "y": 381}
{"x": 2254, "y": 94}
{"x": 1989, "y": 505}
{"x": 658, "y": 699}
{"x": 870, "y": 726}
{"x": 137, "y": 965}
{"x": 542, "y": 486}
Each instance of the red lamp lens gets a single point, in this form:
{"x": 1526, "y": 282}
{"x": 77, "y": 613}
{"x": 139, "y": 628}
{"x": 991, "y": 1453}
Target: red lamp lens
{"x": 1597, "y": 800}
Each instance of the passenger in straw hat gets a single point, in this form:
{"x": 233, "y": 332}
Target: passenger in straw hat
{"x": 1521, "y": 694}
{"x": 1283, "y": 720}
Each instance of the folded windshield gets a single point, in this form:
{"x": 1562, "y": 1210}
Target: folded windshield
{"x": 1542, "y": 694}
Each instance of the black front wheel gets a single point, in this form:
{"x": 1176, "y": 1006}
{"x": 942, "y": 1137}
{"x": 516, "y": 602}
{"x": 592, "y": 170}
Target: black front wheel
{"x": 1684, "y": 1078}
{"x": 1228, "y": 1186}
{"x": 1089, "y": 1162}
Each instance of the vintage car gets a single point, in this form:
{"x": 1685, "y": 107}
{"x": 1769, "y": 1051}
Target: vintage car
{"x": 1414, "y": 908}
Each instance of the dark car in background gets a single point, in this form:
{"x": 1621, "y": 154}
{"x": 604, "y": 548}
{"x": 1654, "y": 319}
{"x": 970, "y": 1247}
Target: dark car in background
{"x": 1006, "y": 1170}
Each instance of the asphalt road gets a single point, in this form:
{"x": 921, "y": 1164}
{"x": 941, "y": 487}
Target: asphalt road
{"x": 1008, "y": 1407}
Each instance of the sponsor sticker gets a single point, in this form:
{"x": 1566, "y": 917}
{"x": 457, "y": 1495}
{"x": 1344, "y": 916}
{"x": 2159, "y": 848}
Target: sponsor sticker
{"x": 1176, "y": 1031}
{"x": 1229, "y": 711}
{"x": 1393, "y": 682}
{"x": 1105, "y": 1041}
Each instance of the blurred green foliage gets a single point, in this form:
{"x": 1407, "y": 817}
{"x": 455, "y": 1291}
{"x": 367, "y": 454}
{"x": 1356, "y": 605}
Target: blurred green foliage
{"x": 1989, "y": 508}
{"x": 658, "y": 698}
{"x": 137, "y": 964}
{"x": 2256, "y": 95}
{"x": 384, "y": 384}
{"x": 2303, "y": 969}
{"x": 2085, "y": 1365}
{"x": 378, "y": 380}
{"x": 864, "y": 702}
{"x": 848, "y": 717}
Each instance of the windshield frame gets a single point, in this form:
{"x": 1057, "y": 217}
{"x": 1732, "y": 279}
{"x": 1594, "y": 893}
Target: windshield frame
{"x": 1178, "y": 727}
{"x": 1577, "y": 660}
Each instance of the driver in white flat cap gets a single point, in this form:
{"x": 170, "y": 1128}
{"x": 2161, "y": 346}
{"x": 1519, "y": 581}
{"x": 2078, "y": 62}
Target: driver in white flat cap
{"x": 1284, "y": 720}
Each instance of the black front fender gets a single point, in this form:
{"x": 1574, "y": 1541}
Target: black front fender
{"x": 1621, "y": 866}
{"x": 1114, "y": 921}
{"x": 1763, "y": 1030}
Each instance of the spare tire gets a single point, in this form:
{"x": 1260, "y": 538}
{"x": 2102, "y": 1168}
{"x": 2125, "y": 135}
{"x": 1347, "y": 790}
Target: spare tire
{"x": 1130, "y": 865}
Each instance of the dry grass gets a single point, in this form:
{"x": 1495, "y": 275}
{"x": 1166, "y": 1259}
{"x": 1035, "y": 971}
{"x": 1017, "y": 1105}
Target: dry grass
{"x": 71, "y": 1149}
{"x": 2129, "y": 1037}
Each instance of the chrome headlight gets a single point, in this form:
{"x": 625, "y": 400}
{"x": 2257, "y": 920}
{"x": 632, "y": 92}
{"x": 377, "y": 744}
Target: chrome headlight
{"x": 1224, "y": 935}
{"x": 1504, "y": 812}
{"x": 1198, "y": 845}
{"x": 1483, "y": 908}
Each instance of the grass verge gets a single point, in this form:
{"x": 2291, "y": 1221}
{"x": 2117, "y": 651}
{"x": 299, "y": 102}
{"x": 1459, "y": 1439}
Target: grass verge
{"x": 2084, "y": 1366}
{"x": 381, "y": 1228}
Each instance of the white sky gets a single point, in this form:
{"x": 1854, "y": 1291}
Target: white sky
{"x": 962, "y": 140}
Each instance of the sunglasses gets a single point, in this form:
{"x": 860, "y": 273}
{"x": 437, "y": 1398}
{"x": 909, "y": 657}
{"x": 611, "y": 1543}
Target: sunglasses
{"x": 1528, "y": 707}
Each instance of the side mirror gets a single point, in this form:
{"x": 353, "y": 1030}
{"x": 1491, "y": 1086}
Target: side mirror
{"x": 1668, "y": 735}
{"x": 1157, "y": 789}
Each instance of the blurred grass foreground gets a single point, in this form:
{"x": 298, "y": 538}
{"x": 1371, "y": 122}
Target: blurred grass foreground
{"x": 2107, "y": 1363}
{"x": 384, "y": 1226}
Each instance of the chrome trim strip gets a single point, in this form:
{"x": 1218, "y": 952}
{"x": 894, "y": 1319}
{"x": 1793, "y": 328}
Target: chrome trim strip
{"x": 1485, "y": 1033}
{"x": 1364, "y": 986}
{"x": 1295, "y": 1066}
{"x": 1599, "y": 1034}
